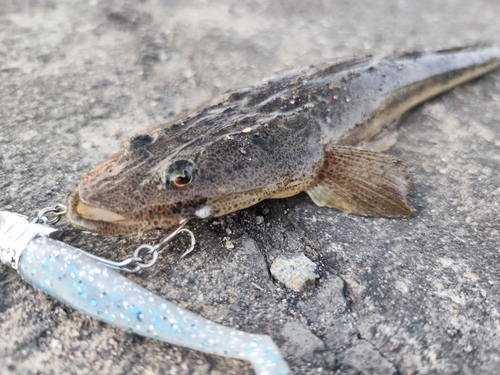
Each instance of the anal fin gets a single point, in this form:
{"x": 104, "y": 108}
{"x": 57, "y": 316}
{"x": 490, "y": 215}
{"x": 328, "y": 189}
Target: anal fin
{"x": 362, "y": 182}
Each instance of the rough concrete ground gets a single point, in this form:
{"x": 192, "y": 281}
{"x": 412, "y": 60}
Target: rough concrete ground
{"x": 413, "y": 296}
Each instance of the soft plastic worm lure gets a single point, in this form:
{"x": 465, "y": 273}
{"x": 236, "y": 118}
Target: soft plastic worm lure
{"x": 74, "y": 278}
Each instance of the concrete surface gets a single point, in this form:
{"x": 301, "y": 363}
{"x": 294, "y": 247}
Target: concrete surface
{"x": 414, "y": 296}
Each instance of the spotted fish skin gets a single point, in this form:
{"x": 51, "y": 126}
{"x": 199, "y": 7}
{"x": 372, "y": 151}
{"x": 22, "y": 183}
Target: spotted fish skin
{"x": 274, "y": 140}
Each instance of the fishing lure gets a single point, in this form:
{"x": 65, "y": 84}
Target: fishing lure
{"x": 84, "y": 283}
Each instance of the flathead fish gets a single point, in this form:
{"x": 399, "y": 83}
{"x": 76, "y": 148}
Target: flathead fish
{"x": 320, "y": 130}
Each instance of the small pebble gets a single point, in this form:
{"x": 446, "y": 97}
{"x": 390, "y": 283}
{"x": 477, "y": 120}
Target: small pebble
{"x": 295, "y": 272}
{"x": 259, "y": 220}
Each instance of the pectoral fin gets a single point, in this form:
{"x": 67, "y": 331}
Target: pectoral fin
{"x": 362, "y": 182}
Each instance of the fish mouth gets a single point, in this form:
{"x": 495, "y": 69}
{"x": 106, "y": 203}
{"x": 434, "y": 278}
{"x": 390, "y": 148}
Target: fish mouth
{"x": 85, "y": 216}
{"x": 88, "y": 212}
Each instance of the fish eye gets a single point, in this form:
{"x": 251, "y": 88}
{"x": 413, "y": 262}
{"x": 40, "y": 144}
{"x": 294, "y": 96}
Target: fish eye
{"x": 184, "y": 179}
{"x": 181, "y": 173}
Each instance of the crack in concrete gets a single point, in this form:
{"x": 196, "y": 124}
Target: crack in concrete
{"x": 349, "y": 311}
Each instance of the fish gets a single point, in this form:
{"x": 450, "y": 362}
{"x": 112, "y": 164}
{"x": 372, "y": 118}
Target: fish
{"x": 320, "y": 130}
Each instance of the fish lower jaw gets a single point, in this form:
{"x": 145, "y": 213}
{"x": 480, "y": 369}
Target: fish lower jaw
{"x": 85, "y": 216}
{"x": 90, "y": 218}
{"x": 93, "y": 213}
{"x": 101, "y": 221}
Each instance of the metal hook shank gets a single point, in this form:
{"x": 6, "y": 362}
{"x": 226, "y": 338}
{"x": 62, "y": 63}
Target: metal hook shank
{"x": 136, "y": 263}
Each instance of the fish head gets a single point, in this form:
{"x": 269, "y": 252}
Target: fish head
{"x": 169, "y": 176}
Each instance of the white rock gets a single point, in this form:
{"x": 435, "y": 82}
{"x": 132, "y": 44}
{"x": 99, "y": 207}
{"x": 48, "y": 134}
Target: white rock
{"x": 295, "y": 272}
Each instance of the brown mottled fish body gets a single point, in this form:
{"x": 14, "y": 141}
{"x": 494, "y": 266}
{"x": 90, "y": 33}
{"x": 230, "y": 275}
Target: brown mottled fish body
{"x": 315, "y": 130}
